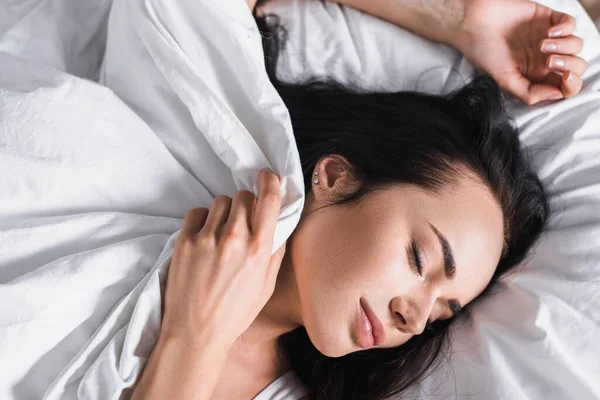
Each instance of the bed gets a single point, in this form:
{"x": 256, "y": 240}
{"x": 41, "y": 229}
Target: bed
{"x": 95, "y": 179}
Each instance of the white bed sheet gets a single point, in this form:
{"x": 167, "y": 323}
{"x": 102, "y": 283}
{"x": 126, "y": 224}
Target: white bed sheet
{"x": 538, "y": 337}
{"x": 69, "y": 35}
{"x": 535, "y": 339}
{"x": 93, "y": 188}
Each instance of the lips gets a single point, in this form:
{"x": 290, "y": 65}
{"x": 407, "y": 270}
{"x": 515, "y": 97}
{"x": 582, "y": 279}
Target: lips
{"x": 377, "y": 329}
{"x": 364, "y": 330}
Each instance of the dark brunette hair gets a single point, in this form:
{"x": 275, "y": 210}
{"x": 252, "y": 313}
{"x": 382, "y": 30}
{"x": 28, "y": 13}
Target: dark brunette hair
{"x": 414, "y": 138}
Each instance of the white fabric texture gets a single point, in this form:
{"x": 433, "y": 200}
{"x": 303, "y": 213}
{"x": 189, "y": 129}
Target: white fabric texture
{"x": 93, "y": 189}
{"x": 69, "y": 35}
{"x": 537, "y": 338}
{"x": 287, "y": 387}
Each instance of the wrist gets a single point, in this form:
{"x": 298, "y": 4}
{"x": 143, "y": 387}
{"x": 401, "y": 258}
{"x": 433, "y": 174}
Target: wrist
{"x": 184, "y": 337}
{"x": 445, "y": 20}
{"x": 198, "y": 350}
{"x": 181, "y": 367}
{"x": 438, "y": 20}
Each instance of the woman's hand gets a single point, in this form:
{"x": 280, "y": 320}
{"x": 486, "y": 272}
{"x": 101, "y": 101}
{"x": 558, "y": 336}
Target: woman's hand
{"x": 222, "y": 272}
{"x": 527, "y": 48}
{"x": 510, "y": 40}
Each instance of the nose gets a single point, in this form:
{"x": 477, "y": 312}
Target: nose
{"x": 411, "y": 316}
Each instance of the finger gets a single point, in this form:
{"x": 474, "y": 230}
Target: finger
{"x": 268, "y": 205}
{"x": 194, "y": 221}
{"x": 273, "y": 269}
{"x": 563, "y": 63}
{"x": 568, "y": 45}
{"x": 218, "y": 213}
{"x": 554, "y": 79}
{"x": 527, "y": 92}
{"x": 242, "y": 206}
{"x": 571, "y": 84}
{"x": 563, "y": 25}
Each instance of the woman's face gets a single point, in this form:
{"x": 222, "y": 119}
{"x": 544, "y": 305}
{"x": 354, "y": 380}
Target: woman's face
{"x": 413, "y": 256}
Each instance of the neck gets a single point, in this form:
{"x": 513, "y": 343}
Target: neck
{"x": 281, "y": 313}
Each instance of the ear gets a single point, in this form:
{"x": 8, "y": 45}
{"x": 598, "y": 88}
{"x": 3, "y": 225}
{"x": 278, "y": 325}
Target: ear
{"x": 335, "y": 179}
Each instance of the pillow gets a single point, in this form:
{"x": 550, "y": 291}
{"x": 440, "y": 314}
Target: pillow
{"x": 537, "y": 337}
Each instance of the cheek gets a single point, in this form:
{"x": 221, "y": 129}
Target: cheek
{"x": 337, "y": 259}
{"x": 334, "y": 254}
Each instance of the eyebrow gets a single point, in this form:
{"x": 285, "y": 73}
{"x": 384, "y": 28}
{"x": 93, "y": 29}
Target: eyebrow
{"x": 449, "y": 265}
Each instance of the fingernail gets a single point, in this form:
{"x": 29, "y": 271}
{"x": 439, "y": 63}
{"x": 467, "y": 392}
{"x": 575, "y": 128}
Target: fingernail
{"x": 555, "y": 33}
{"x": 569, "y": 75}
{"x": 549, "y": 46}
{"x": 557, "y": 62}
{"x": 264, "y": 170}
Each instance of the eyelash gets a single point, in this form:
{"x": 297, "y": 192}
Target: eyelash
{"x": 417, "y": 265}
{"x": 415, "y": 257}
{"x": 455, "y": 307}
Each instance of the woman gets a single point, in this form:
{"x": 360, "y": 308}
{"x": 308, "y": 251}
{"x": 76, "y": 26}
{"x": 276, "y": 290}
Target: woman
{"x": 414, "y": 205}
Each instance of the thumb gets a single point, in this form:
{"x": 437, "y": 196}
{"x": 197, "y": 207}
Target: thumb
{"x": 277, "y": 257}
{"x": 274, "y": 265}
{"x": 526, "y": 91}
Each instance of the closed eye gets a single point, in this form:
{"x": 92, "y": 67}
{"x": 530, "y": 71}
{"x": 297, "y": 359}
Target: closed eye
{"x": 414, "y": 257}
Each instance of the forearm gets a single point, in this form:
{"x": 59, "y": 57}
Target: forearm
{"x": 181, "y": 369}
{"x": 437, "y": 20}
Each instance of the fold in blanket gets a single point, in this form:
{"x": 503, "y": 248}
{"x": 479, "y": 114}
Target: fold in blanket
{"x": 95, "y": 183}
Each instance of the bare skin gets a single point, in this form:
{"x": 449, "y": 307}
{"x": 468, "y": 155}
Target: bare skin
{"x": 338, "y": 255}
{"x": 520, "y": 43}
{"x": 335, "y": 256}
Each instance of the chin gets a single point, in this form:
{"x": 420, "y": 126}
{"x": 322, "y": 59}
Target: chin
{"x": 330, "y": 344}
{"x": 330, "y": 349}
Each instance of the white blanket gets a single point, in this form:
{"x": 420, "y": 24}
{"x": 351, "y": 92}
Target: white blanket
{"x": 93, "y": 190}
{"x": 90, "y": 193}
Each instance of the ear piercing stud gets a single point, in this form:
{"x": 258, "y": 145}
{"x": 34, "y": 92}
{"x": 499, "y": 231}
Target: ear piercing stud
{"x": 316, "y": 180}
